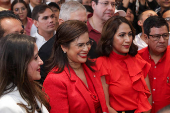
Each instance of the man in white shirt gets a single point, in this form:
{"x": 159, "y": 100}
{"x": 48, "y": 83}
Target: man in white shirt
{"x": 44, "y": 20}
{"x": 140, "y": 40}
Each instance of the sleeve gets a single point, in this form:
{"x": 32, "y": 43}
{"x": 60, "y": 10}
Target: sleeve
{"x": 8, "y": 105}
{"x": 57, "y": 92}
{"x": 103, "y": 68}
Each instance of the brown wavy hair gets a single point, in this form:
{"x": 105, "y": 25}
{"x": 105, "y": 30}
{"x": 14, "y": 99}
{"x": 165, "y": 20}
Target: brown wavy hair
{"x": 105, "y": 45}
{"x": 16, "y": 51}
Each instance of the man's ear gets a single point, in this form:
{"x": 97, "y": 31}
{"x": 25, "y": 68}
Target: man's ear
{"x": 60, "y": 21}
{"x": 140, "y": 22}
{"x": 146, "y": 38}
{"x": 36, "y": 23}
{"x": 93, "y": 4}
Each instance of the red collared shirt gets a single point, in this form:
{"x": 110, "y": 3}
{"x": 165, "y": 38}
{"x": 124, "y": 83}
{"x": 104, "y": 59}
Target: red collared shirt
{"x": 159, "y": 76}
{"x": 94, "y": 34}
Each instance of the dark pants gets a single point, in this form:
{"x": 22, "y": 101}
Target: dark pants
{"x": 131, "y": 111}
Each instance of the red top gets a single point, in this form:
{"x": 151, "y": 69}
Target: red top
{"x": 92, "y": 93}
{"x": 68, "y": 93}
{"x": 159, "y": 76}
{"x": 94, "y": 34}
{"x": 125, "y": 76}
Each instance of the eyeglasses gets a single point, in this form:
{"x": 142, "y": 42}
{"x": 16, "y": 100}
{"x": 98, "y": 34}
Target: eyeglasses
{"x": 158, "y": 36}
{"x": 167, "y": 19}
{"x": 105, "y": 4}
{"x": 82, "y": 45}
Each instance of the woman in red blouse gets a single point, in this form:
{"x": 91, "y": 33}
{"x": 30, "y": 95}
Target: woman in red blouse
{"x": 72, "y": 84}
{"x": 123, "y": 71}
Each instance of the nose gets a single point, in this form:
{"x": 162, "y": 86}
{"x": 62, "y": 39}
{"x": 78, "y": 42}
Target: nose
{"x": 40, "y": 61}
{"x": 127, "y": 38}
{"x": 162, "y": 40}
{"x": 110, "y": 6}
{"x": 20, "y": 10}
{"x": 86, "y": 48}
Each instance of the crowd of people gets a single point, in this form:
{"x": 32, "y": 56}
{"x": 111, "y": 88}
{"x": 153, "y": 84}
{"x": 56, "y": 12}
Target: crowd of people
{"x": 84, "y": 56}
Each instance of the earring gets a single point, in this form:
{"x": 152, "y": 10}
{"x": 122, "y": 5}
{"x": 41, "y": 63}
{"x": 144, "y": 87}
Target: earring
{"x": 64, "y": 51}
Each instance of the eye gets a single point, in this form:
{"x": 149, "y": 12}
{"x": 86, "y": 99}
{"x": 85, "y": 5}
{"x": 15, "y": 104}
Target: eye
{"x": 45, "y": 18}
{"x": 36, "y": 57}
{"x": 17, "y": 9}
{"x": 165, "y": 35}
{"x": 80, "y": 45}
{"x": 23, "y": 8}
{"x": 130, "y": 34}
{"x": 156, "y": 36}
{"x": 106, "y": 3}
{"x": 52, "y": 16}
{"x": 122, "y": 35}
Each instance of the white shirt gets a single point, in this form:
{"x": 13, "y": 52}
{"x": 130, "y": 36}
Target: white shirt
{"x": 33, "y": 30}
{"x": 139, "y": 42}
{"x": 8, "y": 103}
{"x": 39, "y": 40}
{"x": 31, "y": 8}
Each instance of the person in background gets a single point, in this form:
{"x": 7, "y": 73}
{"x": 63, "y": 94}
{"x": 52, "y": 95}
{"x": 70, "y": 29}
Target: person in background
{"x": 9, "y": 23}
{"x": 72, "y": 83}
{"x": 20, "y": 8}
{"x": 6, "y": 4}
{"x": 157, "y": 53}
{"x": 20, "y": 67}
{"x": 56, "y": 10}
{"x": 58, "y": 2}
{"x": 140, "y": 39}
{"x": 123, "y": 72}
{"x": 31, "y": 6}
{"x": 166, "y": 16}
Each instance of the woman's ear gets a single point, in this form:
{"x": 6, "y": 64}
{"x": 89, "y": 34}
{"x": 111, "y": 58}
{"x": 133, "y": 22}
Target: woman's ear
{"x": 64, "y": 49}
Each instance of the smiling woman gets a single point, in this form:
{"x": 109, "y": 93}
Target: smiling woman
{"x": 20, "y": 66}
{"x": 72, "y": 82}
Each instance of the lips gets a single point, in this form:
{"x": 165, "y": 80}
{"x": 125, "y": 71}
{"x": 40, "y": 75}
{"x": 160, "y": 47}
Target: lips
{"x": 38, "y": 70}
{"x": 126, "y": 46}
{"x": 83, "y": 55}
{"x": 52, "y": 25}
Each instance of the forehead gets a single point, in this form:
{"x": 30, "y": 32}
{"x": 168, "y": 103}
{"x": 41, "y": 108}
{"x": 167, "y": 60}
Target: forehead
{"x": 47, "y": 12}
{"x": 124, "y": 27}
{"x": 166, "y": 14}
{"x": 149, "y": 12}
{"x": 160, "y": 30}
{"x": 53, "y": 0}
{"x": 19, "y": 5}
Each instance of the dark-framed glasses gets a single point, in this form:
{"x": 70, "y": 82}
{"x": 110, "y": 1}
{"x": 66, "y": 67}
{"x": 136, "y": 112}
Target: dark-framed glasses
{"x": 156, "y": 37}
{"x": 82, "y": 45}
{"x": 106, "y": 4}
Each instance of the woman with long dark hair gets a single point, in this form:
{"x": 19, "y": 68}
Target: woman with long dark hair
{"x": 20, "y": 67}
{"x": 123, "y": 71}
{"x": 72, "y": 84}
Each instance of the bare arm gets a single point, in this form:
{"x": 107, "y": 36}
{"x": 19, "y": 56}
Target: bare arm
{"x": 150, "y": 98}
{"x": 106, "y": 92}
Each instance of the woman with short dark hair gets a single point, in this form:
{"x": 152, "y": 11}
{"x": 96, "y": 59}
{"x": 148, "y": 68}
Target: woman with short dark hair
{"x": 123, "y": 71}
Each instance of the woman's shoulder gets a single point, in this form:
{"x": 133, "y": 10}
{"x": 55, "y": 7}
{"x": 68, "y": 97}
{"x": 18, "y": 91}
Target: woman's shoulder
{"x": 8, "y": 103}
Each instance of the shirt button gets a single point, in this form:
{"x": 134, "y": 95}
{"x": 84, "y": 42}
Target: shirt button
{"x": 155, "y": 66}
{"x": 153, "y": 89}
{"x": 153, "y": 102}
{"x": 154, "y": 78}
{"x": 94, "y": 76}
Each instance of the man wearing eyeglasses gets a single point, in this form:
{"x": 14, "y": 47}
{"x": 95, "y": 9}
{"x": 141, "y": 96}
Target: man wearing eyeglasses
{"x": 103, "y": 10}
{"x": 158, "y": 55}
